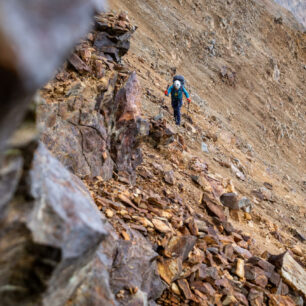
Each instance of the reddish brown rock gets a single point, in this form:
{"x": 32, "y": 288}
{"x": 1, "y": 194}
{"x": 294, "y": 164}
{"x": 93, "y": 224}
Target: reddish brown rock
{"x": 180, "y": 246}
{"x": 78, "y": 64}
{"x": 241, "y": 298}
{"x": 242, "y": 252}
{"x": 169, "y": 269}
{"x": 169, "y": 177}
{"x": 256, "y": 298}
{"x": 213, "y": 208}
{"x": 230, "y": 200}
{"x": 265, "y": 265}
{"x": 193, "y": 228}
{"x": 206, "y": 273}
{"x": 184, "y": 286}
{"x": 279, "y": 300}
{"x": 155, "y": 200}
{"x": 256, "y": 275}
{"x": 161, "y": 133}
{"x": 46, "y": 242}
{"x": 133, "y": 260}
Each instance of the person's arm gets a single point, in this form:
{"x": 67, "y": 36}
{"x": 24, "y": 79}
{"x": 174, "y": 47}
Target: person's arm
{"x": 167, "y": 92}
{"x": 186, "y": 93}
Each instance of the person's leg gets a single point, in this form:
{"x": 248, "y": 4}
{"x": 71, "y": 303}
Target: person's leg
{"x": 175, "y": 108}
{"x": 178, "y": 117}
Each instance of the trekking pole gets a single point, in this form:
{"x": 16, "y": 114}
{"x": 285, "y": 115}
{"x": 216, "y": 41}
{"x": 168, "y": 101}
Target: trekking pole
{"x": 164, "y": 98}
{"x": 188, "y": 109}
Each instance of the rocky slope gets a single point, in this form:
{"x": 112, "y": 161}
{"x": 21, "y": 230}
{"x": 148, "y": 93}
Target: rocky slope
{"x": 158, "y": 218}
{"x": 246, "y": 75}
{"x": 176, "y": 202}
{"x": 297, "y": 7}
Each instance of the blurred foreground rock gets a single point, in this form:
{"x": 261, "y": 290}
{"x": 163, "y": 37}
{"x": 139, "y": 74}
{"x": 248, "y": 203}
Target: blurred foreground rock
{"x": 33, "y": 44}
{"x": 50, "y": 230}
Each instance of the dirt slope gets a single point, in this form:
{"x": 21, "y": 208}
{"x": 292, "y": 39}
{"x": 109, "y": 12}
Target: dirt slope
{"x": 255, "y": 113}
{"x": 297, "y": 7}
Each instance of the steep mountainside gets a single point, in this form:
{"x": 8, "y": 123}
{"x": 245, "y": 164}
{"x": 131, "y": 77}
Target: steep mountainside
{"x": 105, "y": 201}
{"x": 297, "y": 7}
{"x": 246, "y": 74}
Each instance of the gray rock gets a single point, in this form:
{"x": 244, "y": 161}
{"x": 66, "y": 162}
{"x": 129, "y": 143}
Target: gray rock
{"x": 180, "y": 246}
{"x": 169, "y": 177}
{"x": 230, "y": 200}
{"x": 50, "y": 229}
{"x": 135, "y": 267}
{"x": 204, "y": 147}
{"x": 245, "y": 204}
{"x": 27, "y": 61}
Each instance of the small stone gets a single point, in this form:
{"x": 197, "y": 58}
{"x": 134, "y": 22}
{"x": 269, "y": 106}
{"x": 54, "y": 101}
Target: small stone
{"x": 230, "y": 200}
{"x": 216, "y": 210}
{"x": 230, "y": 299}
{"x": 161, "y": 226}
{"x": 256, "y": 297}
{"x": 297, "y": 251}
{"x": 247, "y": 216}
{"x": 211, "y": 240}
{"x": 236, "y": 215}
{"x": 180, "y": 246}
{"x": 238, "y": 173}
{"x": 169, "y": 177}
{"x": 256, "y": 275}
{"x": 169, "y": 269}
{"x": 206, "y": 273}
{"x": 184, "y": 286}
{"x": 242, "y": 252}
{"x": 204, "y": 147}
{"x": 245, "y": 204}
{"x": 201, "y": 225}
{"x": 78, "y": 64}
{"x": 240, "y": 268}
{"x": 280, "y": 300}
{"x": 198, "y": 165}
{"x": 175, "y": 289}
{"x": 109, "y": 213}
{"x": 125, "y": 236}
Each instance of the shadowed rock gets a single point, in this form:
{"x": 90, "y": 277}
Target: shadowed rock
{"x": 50, "y": 230}
{"x": 32, "y": 45}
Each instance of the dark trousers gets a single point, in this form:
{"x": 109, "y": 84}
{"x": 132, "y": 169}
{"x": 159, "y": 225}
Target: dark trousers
{"x": 176, "y": 105}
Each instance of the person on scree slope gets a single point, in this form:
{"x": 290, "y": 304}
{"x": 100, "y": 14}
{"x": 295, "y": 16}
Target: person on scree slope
{"x": 177, "y": 90}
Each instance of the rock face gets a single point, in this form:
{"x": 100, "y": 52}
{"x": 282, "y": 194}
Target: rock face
{"x": 50, "y": 231}
{"x": 92, "y": 144}
{"x": 297, "y": 7}
{"x": 26, "y": 60}
{"x": 93, "y": 125}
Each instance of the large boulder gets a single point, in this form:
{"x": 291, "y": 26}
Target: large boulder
{"x": 134, "y": 275}
{"x": 34, "y": 40}
{"x": 50, "y": 231}
{"x": 94, "y": 141}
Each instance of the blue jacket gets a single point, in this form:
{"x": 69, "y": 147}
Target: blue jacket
{"x": 177, "y": 95}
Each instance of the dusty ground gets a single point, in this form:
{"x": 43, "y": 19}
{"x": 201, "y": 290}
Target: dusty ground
{"x": 255, "y": 118}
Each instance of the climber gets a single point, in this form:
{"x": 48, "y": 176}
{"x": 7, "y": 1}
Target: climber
{"x": 177, "y": 90}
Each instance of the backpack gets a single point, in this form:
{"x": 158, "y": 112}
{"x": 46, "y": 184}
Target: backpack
{"x": 179, "y": 78}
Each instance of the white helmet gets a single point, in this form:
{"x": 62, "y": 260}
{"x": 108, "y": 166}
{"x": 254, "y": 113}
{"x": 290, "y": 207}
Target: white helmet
{"x": 177, "y": 84}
